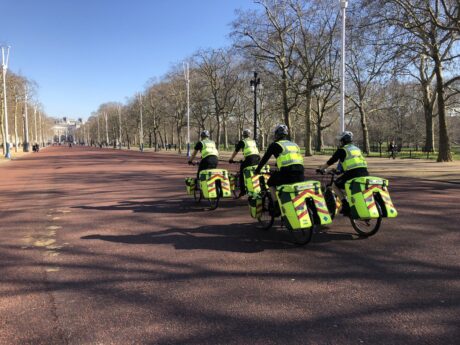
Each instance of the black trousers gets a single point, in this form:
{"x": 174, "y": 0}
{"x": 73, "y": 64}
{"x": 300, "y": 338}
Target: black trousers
{"x": 209, "y": 162}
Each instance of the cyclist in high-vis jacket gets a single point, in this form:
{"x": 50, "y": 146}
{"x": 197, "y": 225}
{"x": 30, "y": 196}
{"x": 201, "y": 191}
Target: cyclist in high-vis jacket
{"x": 352, "y": 163}
{"x": 250, "y": 153}
{"x": 209, "y": 153}
{"x": 288, "y": 160}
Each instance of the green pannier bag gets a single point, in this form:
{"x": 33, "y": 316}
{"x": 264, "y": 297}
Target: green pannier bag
{"x": 295, "y": 199}
{"x": 252, "y": 181}
{"x": 208, "y": 179}
{"x": 255, "y": 205}
{"x": 190, "y": 185}
{"x": 366, "y": 195}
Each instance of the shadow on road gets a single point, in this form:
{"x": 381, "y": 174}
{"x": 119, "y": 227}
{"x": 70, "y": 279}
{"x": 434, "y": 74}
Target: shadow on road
{"x": 242, "y": 238}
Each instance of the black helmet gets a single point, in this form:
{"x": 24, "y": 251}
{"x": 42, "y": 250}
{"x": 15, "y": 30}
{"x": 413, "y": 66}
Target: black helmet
{"x": 345, "y": 137}
{"x": 205, "y": 134}
{"x": 246, "y": 133}
{"x": 281, "y": 131}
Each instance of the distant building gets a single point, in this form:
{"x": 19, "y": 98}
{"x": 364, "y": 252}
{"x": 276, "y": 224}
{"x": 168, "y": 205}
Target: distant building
{"x": 64, "y": 129}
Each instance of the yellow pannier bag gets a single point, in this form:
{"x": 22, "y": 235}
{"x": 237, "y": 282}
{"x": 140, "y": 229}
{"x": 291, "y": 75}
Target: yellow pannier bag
{"x": 295, "y": 200}
{"x": 252, "y": 181}
{"x": 363, "y": 194}
{"x": 190, "y": 185}
{"x": 208, "y": 179}
{"x": 232, "y": 179}
{"x": 255, "y": 205}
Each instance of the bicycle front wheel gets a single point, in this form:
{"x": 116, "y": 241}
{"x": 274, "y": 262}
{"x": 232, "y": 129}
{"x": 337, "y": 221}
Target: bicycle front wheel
{"x": 367, "y": 227}
{"x": 197, "y": 195}
{"x": 237, "y": 190}
{"x": 267, "y": 217}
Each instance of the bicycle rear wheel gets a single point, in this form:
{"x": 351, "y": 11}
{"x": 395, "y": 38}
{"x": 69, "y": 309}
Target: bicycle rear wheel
{"x": 267, "y": 217}
{"x": 214, "y": 202}
{"x": 303, "y": 236}
{"x": 367, "y": 227}
{"x": 237, "y": 190}
{"x": 197, "y": 195}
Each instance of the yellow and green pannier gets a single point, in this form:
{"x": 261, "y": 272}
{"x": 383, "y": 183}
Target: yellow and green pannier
{"x": 190, "y": 184}
{"x": 252, "y": 181}
{"x": 364, "y": 193}
{"x": 208, "y": 179}
{"x": 295, "y": 200}
{"x": 255, "y": 205}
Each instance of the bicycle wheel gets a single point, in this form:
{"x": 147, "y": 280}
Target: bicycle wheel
{"x": 237, "y": 190}
{"x": 367, "y": 227}
{"x": 214, "y": 202}
{"x": 329, "y": 197}
{"x": 266, "y": 218}
{"x": 303, "y": 236}
{"x": 197, "y": 195}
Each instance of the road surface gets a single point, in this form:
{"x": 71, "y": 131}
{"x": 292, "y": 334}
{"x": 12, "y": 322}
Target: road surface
{"x": 99, "y": 246}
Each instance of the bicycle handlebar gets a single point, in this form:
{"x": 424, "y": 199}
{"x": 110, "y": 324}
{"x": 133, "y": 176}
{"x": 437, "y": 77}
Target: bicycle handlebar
{"x": 327, "y": 172}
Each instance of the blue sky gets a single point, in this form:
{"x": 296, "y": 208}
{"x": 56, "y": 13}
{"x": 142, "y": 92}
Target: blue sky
{"x": 83, "y": 53}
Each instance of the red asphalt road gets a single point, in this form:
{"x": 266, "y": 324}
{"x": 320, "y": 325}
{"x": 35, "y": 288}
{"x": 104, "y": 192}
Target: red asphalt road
{"x": 99, "y": 246}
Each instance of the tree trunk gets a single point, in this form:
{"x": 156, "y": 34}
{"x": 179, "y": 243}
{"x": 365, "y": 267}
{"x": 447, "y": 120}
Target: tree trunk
{"x": 1, "y": 124}
{"x": 308, "y": 151}
{"x": 225, "y": 135}
{"x": 284, "y": 89}
{"x": 445, "y": 154}
{"x": 179, "y": 139}
{"x": 218, "y": 131}
{"x": 319, "y": 138}
{"x": 16, "y": 125}
{"x": 429, "y": 129}
{"x": 364, "y": 128}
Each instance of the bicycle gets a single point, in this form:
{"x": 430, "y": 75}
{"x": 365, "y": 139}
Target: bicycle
{"x": 369, "y": 201}
{"x": 251, "y": 181}
{"x": 302, "y": 209}
{"x": 212, "y": 185}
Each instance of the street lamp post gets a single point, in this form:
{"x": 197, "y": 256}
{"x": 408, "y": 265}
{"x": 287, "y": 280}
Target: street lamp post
{"x": 343, "y": 6}
{"x": 254, "y": 83}
{"x": 187, "y": 81}
{"x": 5, "y": 57}
{"x": 25, "y": 146}
{"x": 141, "y": 127}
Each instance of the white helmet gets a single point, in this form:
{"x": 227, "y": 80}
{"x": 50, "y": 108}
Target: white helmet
{"x": 345, "y": 137}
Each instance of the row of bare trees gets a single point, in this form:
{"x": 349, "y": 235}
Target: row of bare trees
{"x": 401, "y": 79}
{"x": 24, "y": 112}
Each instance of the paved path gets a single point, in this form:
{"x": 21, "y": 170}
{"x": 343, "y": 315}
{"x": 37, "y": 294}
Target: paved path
{"x": 104, "y": 247}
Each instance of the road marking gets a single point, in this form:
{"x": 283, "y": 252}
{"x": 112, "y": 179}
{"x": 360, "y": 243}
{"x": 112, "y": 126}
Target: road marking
{"x": 44, "y": 242}
{"x": 53, "y": 227}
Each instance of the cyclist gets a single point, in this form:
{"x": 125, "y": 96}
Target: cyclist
{"x": 352, "y": 164}
{"x": 209, "y": 153}
{"x": 288, "y": 160}
{"x": 250, "y": 153}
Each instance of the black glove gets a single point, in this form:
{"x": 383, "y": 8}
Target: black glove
{"x": 231, "y": 161}
{"x": 257, "y": 172}
{"x": 321, "y": 171}
{"x": 190, "y": 163}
